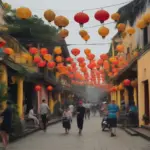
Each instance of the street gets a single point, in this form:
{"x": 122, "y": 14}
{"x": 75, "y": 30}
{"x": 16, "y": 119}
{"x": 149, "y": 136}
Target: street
{"x": 92, "y": 139}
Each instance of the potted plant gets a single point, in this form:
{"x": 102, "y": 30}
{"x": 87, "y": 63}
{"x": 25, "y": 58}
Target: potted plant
{"x": 146, "y": 119}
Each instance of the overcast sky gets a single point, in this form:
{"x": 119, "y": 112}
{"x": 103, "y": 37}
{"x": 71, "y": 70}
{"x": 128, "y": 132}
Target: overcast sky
{"x": 69, "y": 8}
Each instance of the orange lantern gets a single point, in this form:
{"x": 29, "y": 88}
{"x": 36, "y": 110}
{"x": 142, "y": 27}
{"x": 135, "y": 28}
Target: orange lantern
{"x": 47, "y": 57}
{"x": 63, "y": 33}
{"x": 106, "y": 65}
{"x": 134, "y": 83}
{"x": 120, "y": 48}
{"x": 86, "y": 38}
{"x": 115, "y": 17}
{"x": 37, "y": 88}
{"x": 59, "y": 59}
{"x": 43, "y": 51}
{"x": 49, "y": 88}
{"x": 33, "y": 50}
{"x": 83, "y": 33}
{"x": 23, "y": 13}
{"x": 82, "y": 64}
{"x": 87, "y": 51}
{"x": 146, "y": 18}
{"x": 141, "y": 24}
{"x": 49, "y": 15}
{"x": 75, "y": 51}
{"x": 8, "y": 51}
{"x": 103, "y": 31}
{"x": 61, "y": 21}
{"x": 121, "y": 27}
{"x": 130, "y": 31}
{"x": 57, "y": 50}
{"x": 120, "y": 87}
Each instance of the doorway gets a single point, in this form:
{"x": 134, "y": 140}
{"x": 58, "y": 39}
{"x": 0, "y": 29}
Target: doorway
{"x": 146, "y": 98}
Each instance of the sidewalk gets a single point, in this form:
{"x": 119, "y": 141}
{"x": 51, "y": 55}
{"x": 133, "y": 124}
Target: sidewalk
{"x": 30, "y": 131}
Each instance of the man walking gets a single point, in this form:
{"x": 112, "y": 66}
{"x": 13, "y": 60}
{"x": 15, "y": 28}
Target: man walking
{"x": 113, "y": 110}
{"x": 44, "y": 110}
{"x": 80, "y": 116}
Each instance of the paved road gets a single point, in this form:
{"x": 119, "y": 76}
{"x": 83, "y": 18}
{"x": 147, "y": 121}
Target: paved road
{"x": 92, "y": 139}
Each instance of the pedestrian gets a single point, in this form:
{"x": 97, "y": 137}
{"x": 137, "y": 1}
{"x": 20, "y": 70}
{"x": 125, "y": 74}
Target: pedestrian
{"x": 44, "y": 111}
{"x": 6, "y": 126}
{"x": 67, "y": 117}
{"x": 113, "y": 110}
{"x": 32, "y": 116}
{"x": 87, "y": 110}
{"x": 80, "y": 117}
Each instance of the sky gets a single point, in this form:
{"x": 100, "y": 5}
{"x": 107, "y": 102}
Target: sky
{"x": 69, "y": 8}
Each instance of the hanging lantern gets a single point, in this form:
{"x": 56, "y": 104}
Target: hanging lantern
{"x": 90, "y": 56}
{"x": 87, "y": 51}
{"x": 51, "y": 65}
{"x": 25, "y": 56}
{"x": 83, "y": 33}
{"x": 2, "y": 43}
{"x": 127, "y": 82}
{"x": 47, "y": 57}
{"x": 121, "y": 27}
{"x": 134, "y": 83}
{"x": 49, "y": 15}
{"x": 61, "y": 21}
{"x": 49, "y": 88}
{"x": 37, "y": 88}
{"x": 141, "y": 24}
{"x": 75, "y": 51}
{"x": 102, "y": 16}
{"x": 130, "y": 31}
{"x": 84, "y": 69}
{"x": 63, "y": 33}
{"x": 69, "y": 59}
{"x": 86, "y": 38}
{"x": 37, "y": 59}
{"x": 100, "y": 62}
{"x": 115, "y": 17}
{"x": 57, "y": 50}
{"x": 104, "y": 56}
{"x": 106, "y": 65}
{"x": 103, "y": 31}
{"x": 146, "y": 18}
{"x": 41, "y": 64}
{"x": 91, "y": 66}
{"x": 33, "y": 50}
{"x": 23, "y": 13}
{"x": 8, "y": 51}
{"x": 59, "y": 59}
{"x": 120, "y": 48}
{"x": 82, "y": 64}
{"x": 43, "y": 51}
{"x": 120, "y": 87}
{"x": 81, "y": 18}
{"x": 80, "y": 59}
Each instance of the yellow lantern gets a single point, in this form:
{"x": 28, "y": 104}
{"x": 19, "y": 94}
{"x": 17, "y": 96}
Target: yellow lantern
{"x": 23, "y": 13}
{"x": 120, "y": 48}
{"x": 61, "y": 21}
{"x": 130, "y": 30}
{"x": 47, "y": 57}
{"x": 146, "y": 18}
{"x": 103, "y": 31}
{"x": 83, "y": 33}
{"x": 86, "y": 38}
{"x": 59, "y": 59}
{"x": 49, "y": 15}
{"x": 58, "y": 50}
{"x": 115, "y": 16}
{"x": 121, "y": 27}
{"x": 141, "y": 24}
{"x": 64, "y": 33}
{"x": 112, "y": 59}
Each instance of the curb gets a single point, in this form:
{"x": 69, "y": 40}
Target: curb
{"x": 14, "y": 139}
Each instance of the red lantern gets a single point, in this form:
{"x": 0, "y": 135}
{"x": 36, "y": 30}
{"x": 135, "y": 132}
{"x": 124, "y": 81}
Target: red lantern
{"x": 91, "y": 66}
{"x": 81, "y": 59}
{"x": 37, "y": 59}
{"x": 91, "y": 56}
{"x": 33, "y": 50}
{"x": 49, "y": 88}
{"x": 37, "y": 88}
{"x": 75, "y": 51}
{"x": 104, "y": 56}
{"x": 126, "y": 82}
{"x": 51, "y": 65}
{"x": 69, "y": 59}
{"x": 2, "y": 43}
{"x": 102, "y": 16}
{"x": 100, "y": 62}
{"x": 41, "y": 64}
{"x": 44, "y": 51}
{"x": 106, "y": 65}
{"x": 81, "y": 18}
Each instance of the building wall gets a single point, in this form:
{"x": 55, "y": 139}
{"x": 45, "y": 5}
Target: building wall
{"x": 143, "y": 75}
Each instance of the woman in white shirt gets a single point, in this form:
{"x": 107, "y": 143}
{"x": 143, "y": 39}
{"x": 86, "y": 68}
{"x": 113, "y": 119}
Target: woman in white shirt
{"x": 33, "y": 116}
